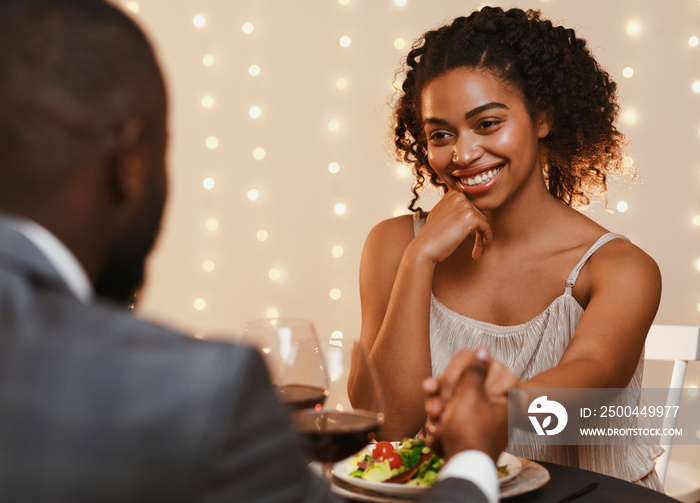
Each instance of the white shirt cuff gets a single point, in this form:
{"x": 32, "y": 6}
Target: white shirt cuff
{"x": 477, "y": 467}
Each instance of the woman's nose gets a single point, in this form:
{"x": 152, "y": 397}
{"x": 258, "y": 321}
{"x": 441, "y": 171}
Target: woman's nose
{"x": 466, "y": 151}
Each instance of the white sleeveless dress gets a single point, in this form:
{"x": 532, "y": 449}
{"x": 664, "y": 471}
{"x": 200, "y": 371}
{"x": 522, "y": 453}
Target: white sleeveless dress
{"x": 529, "y": 349}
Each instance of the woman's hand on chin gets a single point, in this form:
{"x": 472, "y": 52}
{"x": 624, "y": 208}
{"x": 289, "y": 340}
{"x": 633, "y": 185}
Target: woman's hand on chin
{"x": 449, "y": 223}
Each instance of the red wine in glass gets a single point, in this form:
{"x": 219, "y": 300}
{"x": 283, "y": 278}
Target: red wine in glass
{"x": 301, "y": 396}
{"x": 334, "y": 435}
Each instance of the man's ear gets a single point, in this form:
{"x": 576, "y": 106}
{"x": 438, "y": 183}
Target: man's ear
{"x": 126, "y": 161}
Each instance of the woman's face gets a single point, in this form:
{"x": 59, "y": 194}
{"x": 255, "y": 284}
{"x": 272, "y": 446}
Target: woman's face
{"x": 481, "y": 139}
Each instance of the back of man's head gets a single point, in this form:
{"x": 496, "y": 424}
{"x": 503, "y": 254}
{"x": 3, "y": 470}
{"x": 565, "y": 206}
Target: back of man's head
{"x": 70, "y": 71}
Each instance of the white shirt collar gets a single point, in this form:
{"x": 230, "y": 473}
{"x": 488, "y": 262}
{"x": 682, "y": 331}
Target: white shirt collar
{"x": 60, "y": 257}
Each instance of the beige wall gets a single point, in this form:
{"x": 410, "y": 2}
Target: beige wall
{"x": 296, "y": 45}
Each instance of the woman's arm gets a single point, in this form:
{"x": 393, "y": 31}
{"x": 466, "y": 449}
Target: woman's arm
{"x": 623, "y": 286}
{"x": 395, "y": 290}
{"x": 396, "y": 275}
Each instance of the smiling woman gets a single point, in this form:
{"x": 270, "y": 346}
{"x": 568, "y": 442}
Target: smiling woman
{"x": 513, "y": 118}
{"x": 496, "y": 121}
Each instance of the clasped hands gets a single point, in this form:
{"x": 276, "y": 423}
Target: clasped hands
{"x": 467, "y": 407}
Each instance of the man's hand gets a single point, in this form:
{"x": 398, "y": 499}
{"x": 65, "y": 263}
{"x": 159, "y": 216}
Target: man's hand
{"x": 468, "y": 405}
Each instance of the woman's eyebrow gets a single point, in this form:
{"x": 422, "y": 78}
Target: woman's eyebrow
{"x": 469, "y": 114}
{"x": 483, "y": 108}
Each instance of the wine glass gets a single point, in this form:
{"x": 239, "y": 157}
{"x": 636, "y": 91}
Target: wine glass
{"x": 294, "y": 359}
{"x": 338, "y": 430}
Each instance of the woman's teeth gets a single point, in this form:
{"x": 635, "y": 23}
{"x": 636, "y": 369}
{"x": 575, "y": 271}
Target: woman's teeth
{"x": 481, "y": 178}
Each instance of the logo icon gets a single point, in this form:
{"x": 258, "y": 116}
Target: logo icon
{"x": 541, "y": 405}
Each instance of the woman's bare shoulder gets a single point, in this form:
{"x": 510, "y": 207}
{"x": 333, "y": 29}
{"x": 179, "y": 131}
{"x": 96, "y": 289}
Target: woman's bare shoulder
{"x": 395, "y": 231}
{"x": 624, "y": 262}
{"x": 386, "y": 243}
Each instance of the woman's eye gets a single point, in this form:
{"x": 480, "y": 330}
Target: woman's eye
{"x": 489, "y": 124}
{"x": 438, "y": 135}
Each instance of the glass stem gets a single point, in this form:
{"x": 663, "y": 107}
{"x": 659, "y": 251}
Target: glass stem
{"x": 328, "y": 472}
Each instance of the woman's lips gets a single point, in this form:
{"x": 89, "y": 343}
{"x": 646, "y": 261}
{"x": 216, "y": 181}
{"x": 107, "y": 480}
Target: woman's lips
{"x": 482, "y": 182}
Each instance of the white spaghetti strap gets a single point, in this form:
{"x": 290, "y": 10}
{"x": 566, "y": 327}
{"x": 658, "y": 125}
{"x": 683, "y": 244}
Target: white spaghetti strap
{"x": 571, "y": 280}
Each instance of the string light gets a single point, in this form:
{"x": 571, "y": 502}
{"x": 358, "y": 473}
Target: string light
{"x": 339, "y": 209}
{"x": 337, "y": 251}
{"x": 254, "y": 70}
{"x": 274, "y": 274}
{"x": 334, "y": 168}
{"x": 262, "y": 235}
{"x": 208, "y": 60}
{"x": 208, "y": 265}
{"x": 207, "y": 101}
{"x": 247, "y": 28}
{"x": 345, "y": 41}
{"x": 199, "y": 21}
{"x": 259, "y": 154}
{"x": 633, "y": 28}
{"x": 253, "y": 195}
{"x": 208, "y": 183}
{"x": 399, "y": 43}
{"x": 628, "y": 72}
{"x": 335, "y": 294}
{"x": 212, "y": 142}
{"x": 199, "y": 304}
{"x": 212, "y": 224}
{"x": 403, "y": 171}
{"x": 333, "y": 125}
{"x": 629, "y": 116}
{"x": 254, "y": 112}
{"x": 622, "y": 206}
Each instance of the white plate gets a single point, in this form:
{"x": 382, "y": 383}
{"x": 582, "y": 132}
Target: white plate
{"x": 343, "y": 469}
{"x": 514, "y": 466}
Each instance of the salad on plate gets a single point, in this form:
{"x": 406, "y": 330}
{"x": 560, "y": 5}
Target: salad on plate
{"x": 404, "y": 469}
{"x": 409, "y": 462}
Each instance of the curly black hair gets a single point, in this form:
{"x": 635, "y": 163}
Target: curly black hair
{"x": 557, "y": 75}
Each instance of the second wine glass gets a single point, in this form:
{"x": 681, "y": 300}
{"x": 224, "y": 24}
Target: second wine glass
{"x": 294, "y": 359}
{"x": 337, "y": 430}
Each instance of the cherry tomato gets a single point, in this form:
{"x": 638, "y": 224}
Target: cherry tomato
{"x": 382, "y": 449}
{"x": 395, "y": 460}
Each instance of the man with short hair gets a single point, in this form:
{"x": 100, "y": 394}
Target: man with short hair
{"x": 96, "y": 405}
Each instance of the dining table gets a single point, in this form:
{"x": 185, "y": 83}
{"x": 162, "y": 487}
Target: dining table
{"x": 560, "y": 484}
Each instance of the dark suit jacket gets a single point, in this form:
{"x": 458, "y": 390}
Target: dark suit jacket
{"x": 98, "y": 406}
